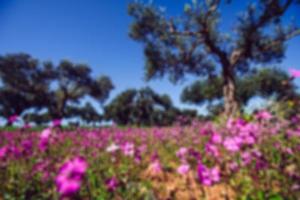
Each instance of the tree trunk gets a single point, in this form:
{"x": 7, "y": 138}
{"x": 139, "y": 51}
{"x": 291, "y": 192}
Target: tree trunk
{"x": 231, "y": 106}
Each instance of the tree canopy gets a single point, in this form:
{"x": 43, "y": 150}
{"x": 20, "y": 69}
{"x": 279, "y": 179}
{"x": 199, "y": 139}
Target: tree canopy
{"x": 193, "y": 43}
{"x": 143, "y": 107}
{"x": 26, "y": 84}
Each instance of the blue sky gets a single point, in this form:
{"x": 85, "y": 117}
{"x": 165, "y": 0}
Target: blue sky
{"x": 95, "y": 32}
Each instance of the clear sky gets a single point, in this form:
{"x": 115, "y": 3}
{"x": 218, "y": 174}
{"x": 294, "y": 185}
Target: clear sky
{"x": 95, "y": 32}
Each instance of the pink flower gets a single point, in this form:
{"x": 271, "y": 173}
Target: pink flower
{"x": 246, "y": 158}
{"x": 230, "y": 123}
{"x": 212, "y": 150}
{"x": 215, "y": 174}
{"x": 216, "y": 138}
{"x": 263, "y": 115}
{"x": 232, "y": 144}
{"x": 233, "y": 166}
{"x": 69, "y": 178}
{"x": 128, "y": 149}
{"x": 182, "y": 152}
{"x": 183, "y": 169}
{"x": 45, "y": 133}
{"x": 155, "y": 167}
{"x": 294, "y": 73}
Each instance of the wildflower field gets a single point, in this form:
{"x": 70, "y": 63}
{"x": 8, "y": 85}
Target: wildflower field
{"x": 254, "y": 159}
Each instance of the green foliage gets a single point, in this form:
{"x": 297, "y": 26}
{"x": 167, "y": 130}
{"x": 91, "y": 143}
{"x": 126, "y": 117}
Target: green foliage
{"x": 192, "y": 43}
{"x": 143, "y": 107}
{"x": 25, "y": 83}
{"x": 28, "y": 84}
{"x": 267, "y": 82}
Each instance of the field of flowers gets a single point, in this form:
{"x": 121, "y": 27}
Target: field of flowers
{"x": 257, "y": 159}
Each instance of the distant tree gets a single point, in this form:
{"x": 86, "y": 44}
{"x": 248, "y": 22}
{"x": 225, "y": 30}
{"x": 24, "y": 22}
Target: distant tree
{"x": 38, "y": 118}
{"x": 24, "y": 83}
{"x": 141, "y": 107}
{"x": 268, "y": 82}
{"x": 74, "y": 82}
{"x": 100, "y": 88}
{"x": 87, "y": 113}
{"x": 193, "y": 43}
{"x": 120, "y": 108}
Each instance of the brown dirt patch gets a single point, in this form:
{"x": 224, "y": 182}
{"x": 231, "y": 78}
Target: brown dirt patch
{"x": 171, "y": 186}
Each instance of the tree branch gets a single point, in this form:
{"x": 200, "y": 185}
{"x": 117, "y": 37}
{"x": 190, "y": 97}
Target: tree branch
{"x": 272, "y": 10}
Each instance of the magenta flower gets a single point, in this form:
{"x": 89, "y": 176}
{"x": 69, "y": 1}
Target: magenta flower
{"x": 294, "y": 73}
{"x": 13, "y": 119}
{"x": 216, "y": 138}
{"x": 183, "y": 169}
{"x": 44, "y": 139}
{"x": 56, "y": 122}
{"x": 69, "y": 178}
{"x": 3, "y": 152}
{"x": 27, "y": 146}
{"x": 111, "y": 184}
{"x": 208, "y": 176}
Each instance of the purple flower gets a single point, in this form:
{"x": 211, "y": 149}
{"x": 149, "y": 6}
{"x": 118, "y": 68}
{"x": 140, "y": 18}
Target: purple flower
{"x": 208, "y": 176}
{"x": 111, "y": 184}
{"x": 69, "y": 178}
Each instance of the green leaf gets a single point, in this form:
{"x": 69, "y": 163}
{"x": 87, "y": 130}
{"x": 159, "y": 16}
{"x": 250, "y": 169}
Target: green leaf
{"x": 276, "y": 197}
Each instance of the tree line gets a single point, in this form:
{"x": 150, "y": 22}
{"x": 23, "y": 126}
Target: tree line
{"x": 41, "y": 91}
